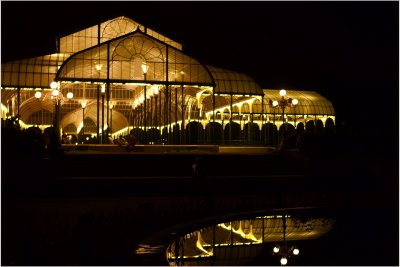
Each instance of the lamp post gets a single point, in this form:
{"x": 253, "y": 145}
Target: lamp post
{"x": 83, "y": 103}
{"x": 135, "y": 107}
{"x": 57, "y": 97}
{"x": 111, "y": 112}
{"x": 98, "y": 68}
{"x": 38, "y": 95}
{"x": 145, "y": 68}
{"x": 103, "y": 91}
{"x": 294, "y": 103}
{"x": 150, "y": 106}
{"x": 140, "y": 113}
{"x": 283, "y": 250}
{"x": 283, "y": 103}
{"x": 155, "y": 92}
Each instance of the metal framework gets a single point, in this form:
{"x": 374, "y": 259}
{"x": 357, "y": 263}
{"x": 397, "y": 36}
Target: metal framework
{"x": 134, "y": 78}
{"x": 238, "y": 242}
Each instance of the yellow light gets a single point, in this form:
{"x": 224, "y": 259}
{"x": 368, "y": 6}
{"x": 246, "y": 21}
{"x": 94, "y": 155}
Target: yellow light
{"x": 53, "y": 85}
{"x": 84, "y": 103}
{"x": 295, "y": 101}
{"x": 149, "y": 93}
{"x": 70, "y": 95}
{"x": 98, "y": 67}
{"x": 155, "y": 89}
{"x": 55, "y": 92}
{"x": 4, "y": 108}
{"x": 38, "y": 94}
{"x": 283, "y": 261}
{"x": 103, "y": 88}
{"x": 145, "y": 68}
{"x": 282, "y": 92}
{"x": 275, "y": 103}
{"x": 276, "y": 249}
{"x": 296, "y": 251}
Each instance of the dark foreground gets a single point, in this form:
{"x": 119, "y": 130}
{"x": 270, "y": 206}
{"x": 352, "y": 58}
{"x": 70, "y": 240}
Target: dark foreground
{"x": 94, "y": 209}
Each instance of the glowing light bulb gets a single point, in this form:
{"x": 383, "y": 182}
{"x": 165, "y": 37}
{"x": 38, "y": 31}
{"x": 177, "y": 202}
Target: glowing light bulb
{"x": 38, "y": 94}
{"x": 84, "y": 103}
{"x": 155, "y": 89}
{"x": 296, "y": 251}
{"x": 283, "y": 261}
{"x": 145, "y": 67}
{"x": 53, "y": 85}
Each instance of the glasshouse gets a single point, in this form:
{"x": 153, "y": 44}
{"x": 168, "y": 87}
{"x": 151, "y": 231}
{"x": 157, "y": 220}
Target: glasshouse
{"x": 120, "y": 77}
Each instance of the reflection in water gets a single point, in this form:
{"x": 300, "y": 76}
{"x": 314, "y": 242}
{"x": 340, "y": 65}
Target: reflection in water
{"x": 238, "y": 242}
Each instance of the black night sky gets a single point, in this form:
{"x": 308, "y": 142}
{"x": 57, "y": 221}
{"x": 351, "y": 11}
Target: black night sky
{"x": 346, "y": 51}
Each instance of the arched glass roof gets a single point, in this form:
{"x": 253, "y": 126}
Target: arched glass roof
{"x": 114, "y": 52}
{"x": 310, "y": 102}
{"x": 230, "y": 82}
{"x": 121, "y": 60}
{"x": 32, "y": 72}
{"x": 215, "y": 245}
{"x": 106, "y": 31}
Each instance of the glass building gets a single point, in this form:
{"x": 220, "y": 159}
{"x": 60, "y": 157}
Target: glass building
{"x": 120, "y": 77}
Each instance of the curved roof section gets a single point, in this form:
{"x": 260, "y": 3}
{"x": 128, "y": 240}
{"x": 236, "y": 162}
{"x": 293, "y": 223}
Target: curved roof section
{"x": 32, "y": 72}
{"x": 216, "y": 244}
{"x": 230, "y": 82}
{"x": 106, "y": 31}
{"x": 310, "y": 102}
{"x": 121, "y": 59}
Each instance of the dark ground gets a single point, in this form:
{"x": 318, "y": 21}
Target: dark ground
{"x": 93, "y": 209}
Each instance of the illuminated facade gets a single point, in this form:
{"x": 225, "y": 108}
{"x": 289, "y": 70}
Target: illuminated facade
{"x": 125, "y": 76}
{"x": 240, "y": 241}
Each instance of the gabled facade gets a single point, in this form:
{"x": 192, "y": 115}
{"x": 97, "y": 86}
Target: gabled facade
{"x": 125, "y": 76}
